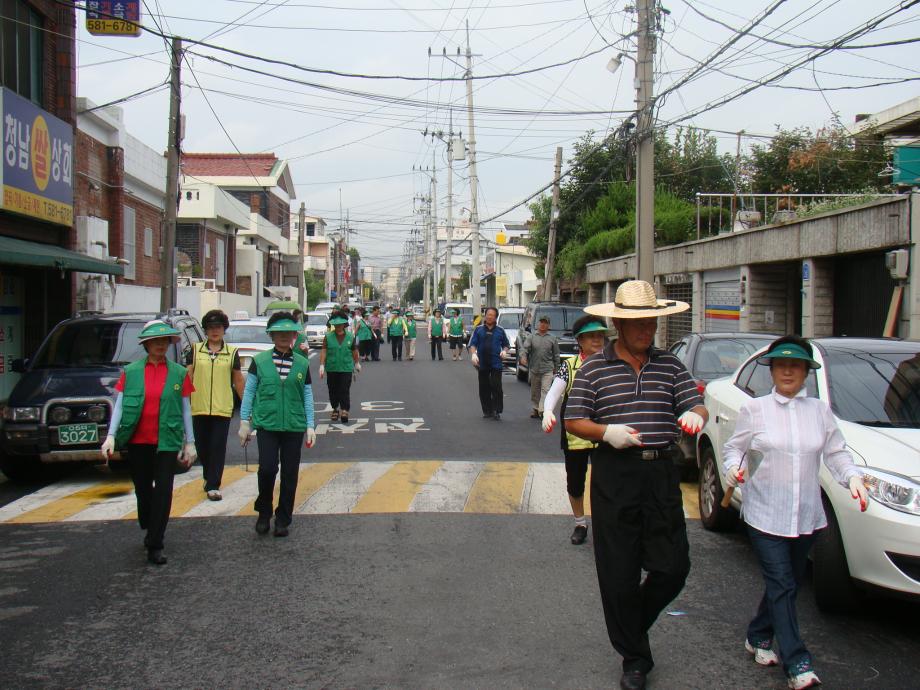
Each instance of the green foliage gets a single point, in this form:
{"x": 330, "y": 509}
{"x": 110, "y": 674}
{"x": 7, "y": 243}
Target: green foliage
{"x": 314, "y": 290}
{"x": 817, "y": 207}
{"x": 354, "y": 253}
{"x": 414, "y": 291}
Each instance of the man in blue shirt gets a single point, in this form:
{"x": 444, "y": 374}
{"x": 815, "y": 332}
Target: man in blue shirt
{"x": 488, "y": 344}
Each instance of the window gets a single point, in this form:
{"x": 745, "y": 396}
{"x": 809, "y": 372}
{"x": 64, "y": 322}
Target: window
{"x": 207, "y": 250}
{"x": 148, "y": 241}
{"x": 221, "y": 262}
{"x": 311, "y": 229}
{"x": 129, "y": 242}
{"x": 22, "y": 49}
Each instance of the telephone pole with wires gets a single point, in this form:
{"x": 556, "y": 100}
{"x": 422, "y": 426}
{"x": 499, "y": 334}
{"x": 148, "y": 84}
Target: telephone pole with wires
{"x": 645, "y": 143}
{"x": 168, "y": 276}
{"x": 476, "y": 269}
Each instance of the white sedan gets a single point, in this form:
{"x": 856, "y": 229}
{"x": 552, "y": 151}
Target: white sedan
{"x": 250, "y": 338}
{"x": 873, "y": 388}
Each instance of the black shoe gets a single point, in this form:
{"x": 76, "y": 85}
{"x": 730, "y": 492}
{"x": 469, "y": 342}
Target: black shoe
{"x": 498, "y": 416}
{"x": 579, "y": 535}
{"x": 156, "y": 557}
{"x": 263, "y": 523}
{"x": 632, "y": 680}
{"x": 281, "y": 530}
{"x": 487, "y": 415}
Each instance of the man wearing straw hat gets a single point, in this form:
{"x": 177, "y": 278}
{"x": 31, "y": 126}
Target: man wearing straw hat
{"x": 633, "y": 399}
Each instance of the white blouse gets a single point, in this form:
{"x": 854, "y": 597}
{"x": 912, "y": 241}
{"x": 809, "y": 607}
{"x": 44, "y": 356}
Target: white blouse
{"x": 783, "y": 496}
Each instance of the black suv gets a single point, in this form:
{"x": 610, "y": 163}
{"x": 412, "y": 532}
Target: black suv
{"x": 561, "y": 317}
{"x": 60, "y": 409}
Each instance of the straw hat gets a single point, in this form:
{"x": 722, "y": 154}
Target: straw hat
{"x": 635, "y": 299}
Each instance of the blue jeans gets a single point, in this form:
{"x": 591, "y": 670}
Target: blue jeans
{"x": 782, "y": 561}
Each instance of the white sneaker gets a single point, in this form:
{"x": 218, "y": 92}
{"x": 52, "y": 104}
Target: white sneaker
{"x": 214, "y": 495}
{"x": 807, "y": 679}
{"x": 764, "y": 657}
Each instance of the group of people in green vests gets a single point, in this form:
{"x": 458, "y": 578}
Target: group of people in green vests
{"x": 450, "y": 329}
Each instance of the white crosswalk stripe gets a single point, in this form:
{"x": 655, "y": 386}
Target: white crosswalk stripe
{"x": 342, "y": 492}
{"x": 447, "y": 490}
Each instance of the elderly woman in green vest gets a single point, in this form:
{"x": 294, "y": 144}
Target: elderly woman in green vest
{"x": 338, "y": 362}
{"x": 396, "y": 330}
{"x": 215, "y": 372}
{"x": 455, "y": 335}
{"x": 278, "y": 403}
{"x": 436, "y": 330}
{"x": 363, "y": 335}
{"x": 411, "y": 334}
{"x": 152, "y": 420}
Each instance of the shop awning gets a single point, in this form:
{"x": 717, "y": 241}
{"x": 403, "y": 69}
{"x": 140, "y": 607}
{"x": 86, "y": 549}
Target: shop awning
{"x": 22, "y": 253}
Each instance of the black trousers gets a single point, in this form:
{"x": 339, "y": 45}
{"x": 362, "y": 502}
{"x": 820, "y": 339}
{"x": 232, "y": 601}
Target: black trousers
{"x": 152, "y": 474}
{"x": 375, "y": 349}
{"x": 490, "y": 390}
{"x": 339, "y": 384}
{"x": 365, "y": 347}
{"x": 396, "y": 346}
{"x": 576, "y": 469}
{"x": 275, "y": 446}
{"x": 211, "y": 444}
{"x": 638, "y": 523}
{"x": 436, "y": 343}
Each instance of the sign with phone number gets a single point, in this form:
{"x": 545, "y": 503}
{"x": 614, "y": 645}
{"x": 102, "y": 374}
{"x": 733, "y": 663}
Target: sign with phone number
{"x": 113, "y": 17}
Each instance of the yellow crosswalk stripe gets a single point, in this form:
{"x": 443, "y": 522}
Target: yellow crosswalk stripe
{"x": 64, "y": 507}
{"x": 314, "y": 477}
{"x": 498, "y": 488}
{"x": 190, "y": 495}
{"x": 691, "y": 496}
{"x": 394, "y": 491}
{"x": 588, "y": 492}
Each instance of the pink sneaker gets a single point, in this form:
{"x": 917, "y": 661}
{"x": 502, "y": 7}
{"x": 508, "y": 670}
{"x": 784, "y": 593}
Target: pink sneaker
{"x": 763, "y": 656}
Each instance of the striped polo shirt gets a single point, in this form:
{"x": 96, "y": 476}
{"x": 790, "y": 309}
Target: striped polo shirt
{"x": 607, "y": 390}
{"x": 283, "y": 362}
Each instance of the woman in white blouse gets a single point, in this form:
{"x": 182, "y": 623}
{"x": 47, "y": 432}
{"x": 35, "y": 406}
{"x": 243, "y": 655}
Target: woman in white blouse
{"x": 782, "y": 499}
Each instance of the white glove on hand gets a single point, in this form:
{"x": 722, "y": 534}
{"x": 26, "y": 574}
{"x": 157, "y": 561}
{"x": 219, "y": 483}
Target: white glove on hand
{"x": 858, "y": 490}
{"x": 322, "y": 370}
{"x": 690, "y": 422}
{"x": 188, "y": 455}
{"x": 311, "y": 438}
{"x": 621, "y": 436}
{"x": 245, "y": 431}
{"x": 733, "y": 476}
{"x": 108, "y": 447}
{"x": 358, "y": 367}
{"x": 549, "y": 420}
{"x": 475, "y": 360}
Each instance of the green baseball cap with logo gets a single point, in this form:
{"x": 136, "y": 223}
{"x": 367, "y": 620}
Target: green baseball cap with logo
{"x": 283, "y": 326}
{"x": 590, "y": 327}
{"x": 788, "y": 351}
{"x": 337, "y": 320}
{"x": 157, "y": 329}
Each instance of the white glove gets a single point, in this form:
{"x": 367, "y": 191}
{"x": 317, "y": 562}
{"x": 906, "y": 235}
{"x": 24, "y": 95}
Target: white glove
{"x": 475, "y": 360}
{"x": 358, "y": 367}
{"x": 322, "y": 370}
{"x": 188, "y": 455}
{"x": 504, "y": 353}
{"x": 245, "y": 431}
{"x": 690, "y": 422}
{"x": 733, "y": 476}
{"x": 549, "y": 420}
{"x": 621, "y": 436}
{"x": 858, "y": 490}
{"x": 311, "y": 438}
{"x": 108, "y": 447}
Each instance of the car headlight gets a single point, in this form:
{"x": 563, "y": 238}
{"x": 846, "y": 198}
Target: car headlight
{"x": 60, "y": 415}
{"x": 22, "y": 414}
{"x": 893, "y": 490}
{"x": 96, "y": 413}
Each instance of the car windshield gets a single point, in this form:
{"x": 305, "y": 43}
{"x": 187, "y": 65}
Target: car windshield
{"x": 510, "y": 319}
{"x": 317, "y": 319}
{"x": 720, "y": 357}
{"x": 92, "y": 343}
{"x": 560, "y": 318}
{"x": 247, "y": 333}
{"x": 876, "y": 389}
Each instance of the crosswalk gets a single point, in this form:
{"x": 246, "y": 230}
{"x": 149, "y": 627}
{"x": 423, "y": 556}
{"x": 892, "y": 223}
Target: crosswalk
{"x": 425, "y": 486}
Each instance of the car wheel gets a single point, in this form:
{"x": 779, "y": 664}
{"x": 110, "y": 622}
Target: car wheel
{"x": 834, "y": 588}
{"x": 521, "y": 375}
{"x": 713, "y": 516}
{"x": 22, "y": 468}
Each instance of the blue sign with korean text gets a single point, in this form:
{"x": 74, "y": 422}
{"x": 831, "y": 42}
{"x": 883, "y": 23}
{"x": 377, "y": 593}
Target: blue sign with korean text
{"x": 37, "y": 177}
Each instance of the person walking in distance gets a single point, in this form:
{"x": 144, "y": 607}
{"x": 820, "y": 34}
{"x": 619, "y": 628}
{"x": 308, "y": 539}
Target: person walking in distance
{"x": 363, "y": 335}
{"x": 590, "y": 332}
{"x": 396, "y": 331}
{"x": 152, "y": 421}
{"x": 455, "y": 335}
{"x": 278, "y": 403}
{"x": 411, "y": 335}
{"x": 487, "y": 347}
{"x": 338, "y": 362}
{"x": 633, "y": 399}
{"x": 215, "y": 373}
{"x": 377, "y": 324}
{"x": 436, "y": 329}
{"x": 541, "y": 357}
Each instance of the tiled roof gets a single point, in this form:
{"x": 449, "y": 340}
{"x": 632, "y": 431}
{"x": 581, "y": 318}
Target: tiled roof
{"x": 229, "y": 164}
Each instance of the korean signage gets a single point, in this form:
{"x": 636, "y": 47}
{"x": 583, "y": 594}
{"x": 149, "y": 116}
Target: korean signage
{"x": 501, "y": 286}
{"x": 113, "y": 17}
{"x": 37, "y": 177}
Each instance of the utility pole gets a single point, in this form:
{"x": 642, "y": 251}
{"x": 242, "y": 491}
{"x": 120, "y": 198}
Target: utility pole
{"x": 645, "y": 145}
{"x": 553, "y": 220}
{"x": 432, "y": 236}
{"x": 174, "y": 138}
{"x": 301, "y": 220}
{"x": 476, "y": 270}
{"x": 737, "y": 175}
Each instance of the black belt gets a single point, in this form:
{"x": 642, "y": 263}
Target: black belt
{"x": 669, "y": 453}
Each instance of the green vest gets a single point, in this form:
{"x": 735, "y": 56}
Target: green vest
{"x": 573, "y": 442}
{"x": 397, "y": 326}
{"x": 364, "y": 331}
{"x": 339, "y": 355}
{"x": 299, "y": 341}
{"x": 437, "y": 328}
{"x": 410, "y": 326}
{"x": 279, "y": 404}
{"x": 456, "y": 325}
{"x": 172, "y": 429}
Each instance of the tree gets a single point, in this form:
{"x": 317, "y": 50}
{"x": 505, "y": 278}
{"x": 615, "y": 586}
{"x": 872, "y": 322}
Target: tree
{"x": 463, "y": 282}
{"x": 354, "y": 254}
{"x": 314, "y": 288}
{"x": 414, "y": 291}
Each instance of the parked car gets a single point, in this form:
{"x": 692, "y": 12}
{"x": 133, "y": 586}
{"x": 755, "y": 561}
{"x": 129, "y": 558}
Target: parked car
{"x": 710, "y": 356}
{"x": 873, "y": 388}
{"x": 510, "y": 319}
{"x": 249, "y": 336}
{"x": 561, "y": 317}
{"x": 326, "y": 306}
{"x": 60, "y": 409}
{"x": 418, "y": 312}
{"x": 316, "y": 327}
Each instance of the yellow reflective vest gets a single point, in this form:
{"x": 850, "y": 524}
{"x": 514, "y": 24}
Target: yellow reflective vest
{"x": 213, "y": 381}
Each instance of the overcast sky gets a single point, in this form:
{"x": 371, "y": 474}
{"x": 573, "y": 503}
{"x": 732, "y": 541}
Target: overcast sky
{"x": 363, "y": 145}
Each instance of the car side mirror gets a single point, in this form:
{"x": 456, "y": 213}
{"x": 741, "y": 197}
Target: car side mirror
{"x": 18, "y": 366}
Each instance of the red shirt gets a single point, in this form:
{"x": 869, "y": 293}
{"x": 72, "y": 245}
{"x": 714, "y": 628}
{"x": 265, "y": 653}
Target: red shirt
{"x": 148, "y": 428}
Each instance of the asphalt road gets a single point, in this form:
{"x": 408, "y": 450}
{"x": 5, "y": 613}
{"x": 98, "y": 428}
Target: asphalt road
{"x": 388, "y": 578}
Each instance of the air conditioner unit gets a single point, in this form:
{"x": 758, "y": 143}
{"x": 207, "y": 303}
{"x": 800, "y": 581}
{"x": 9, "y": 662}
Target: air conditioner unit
{"x": 896, "y": 262}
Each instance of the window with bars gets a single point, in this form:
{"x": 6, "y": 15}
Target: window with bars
{"x": 679, "y": 325}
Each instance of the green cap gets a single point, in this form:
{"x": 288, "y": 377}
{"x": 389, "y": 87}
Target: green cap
{"x": 283, "y": 325}
{"x": 590, "y": 327}
{"x": 396, "y": 312}
{"x": 336, "y": 320}
{"x": 788, "y": 351}
{"x": 157, "y": 329}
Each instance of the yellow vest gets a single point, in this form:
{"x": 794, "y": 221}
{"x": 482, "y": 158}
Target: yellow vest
{"x": 574, "y": 442}
{"x": 213, "y": 383}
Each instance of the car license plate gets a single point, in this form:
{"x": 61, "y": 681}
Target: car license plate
{"x": 75, "y": 434}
